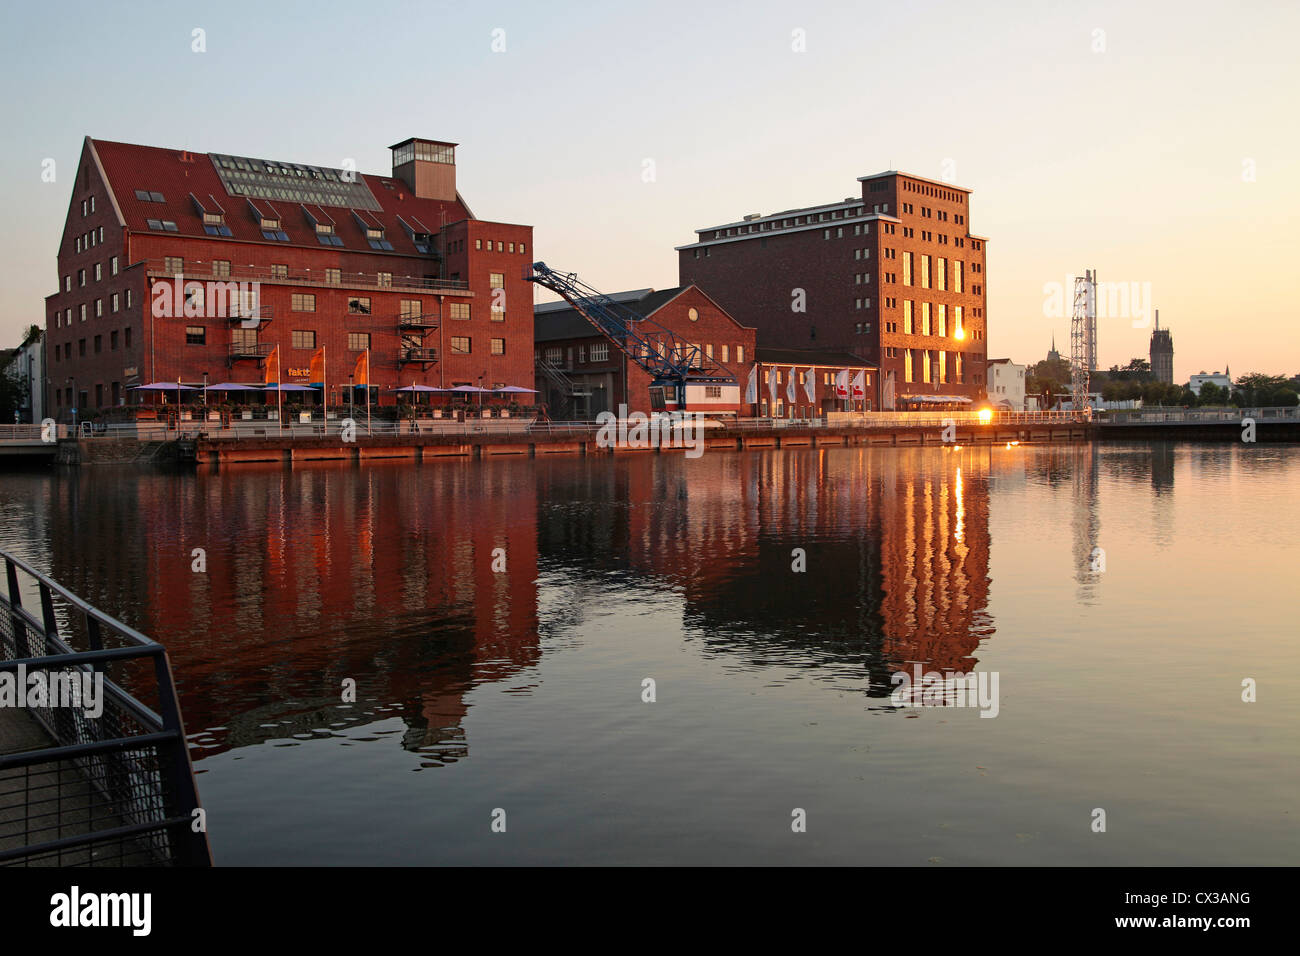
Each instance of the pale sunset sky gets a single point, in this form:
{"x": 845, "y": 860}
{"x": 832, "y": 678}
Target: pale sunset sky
{"x": 1155, "y": 142}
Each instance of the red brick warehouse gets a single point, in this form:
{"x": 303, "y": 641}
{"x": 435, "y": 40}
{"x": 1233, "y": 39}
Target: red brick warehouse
{"x": 894, "y": 277}
{"x": 395, "y": 264}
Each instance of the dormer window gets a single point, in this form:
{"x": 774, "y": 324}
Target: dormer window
{"x": 325, "y": 234}
{"x": 214, "y": 224}
{"x": 377, "y": 241}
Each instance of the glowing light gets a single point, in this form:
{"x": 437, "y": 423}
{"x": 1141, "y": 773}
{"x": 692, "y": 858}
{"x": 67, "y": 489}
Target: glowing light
{"x": 986, "y": 415}
{"x": 959, "y": 334}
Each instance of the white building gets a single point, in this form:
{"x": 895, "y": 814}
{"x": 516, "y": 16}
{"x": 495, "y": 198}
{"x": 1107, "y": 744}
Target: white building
{"x": 27, "y": 367}
{"x": 1221, "y": 379}
{"x": 1006, "y": 384}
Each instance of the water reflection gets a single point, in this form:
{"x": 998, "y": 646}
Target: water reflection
{"x": 384, "y": 574}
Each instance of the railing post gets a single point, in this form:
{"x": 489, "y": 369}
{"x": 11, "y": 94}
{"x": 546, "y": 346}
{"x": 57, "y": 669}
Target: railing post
{"x": 192, "y": 846}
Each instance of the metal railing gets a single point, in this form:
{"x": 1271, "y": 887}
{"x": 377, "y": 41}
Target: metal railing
{"x": 1153, "y": 416}
{"x": 28, "y": 434}
{"x": 110, "y": 788}
{"x": 197, "y": 270}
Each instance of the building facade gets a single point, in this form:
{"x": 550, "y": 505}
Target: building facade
{"x": 192, "y": 267}
{"x": 1221, "y": 379}
{"x": 894, "y": 277}
{"x": 1007, "y": 384}
{"x": 26, "y": 367}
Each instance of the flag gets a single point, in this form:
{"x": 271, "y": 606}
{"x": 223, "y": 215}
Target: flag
{"x": 751, "y": 389}
{"x": 361, "y": 374}
{"x": 316, "y": 371}
{"x": 773, "y": 379}
{"x": 273, "y": 367}
{"x": 859, "y": 385}
{"x": 887, "y": 398}
{"x": 790, "y": 380}
{"x": 842, "y": 383}
{"x": 810, "y": 385}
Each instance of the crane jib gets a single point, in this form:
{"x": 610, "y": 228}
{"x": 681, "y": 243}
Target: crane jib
{"x": 656, "y": 349}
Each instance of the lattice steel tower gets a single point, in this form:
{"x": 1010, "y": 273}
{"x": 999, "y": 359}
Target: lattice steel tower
{"x": 1083, "y": 343}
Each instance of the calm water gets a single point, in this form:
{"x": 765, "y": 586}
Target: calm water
{"x": 522, "y": 689}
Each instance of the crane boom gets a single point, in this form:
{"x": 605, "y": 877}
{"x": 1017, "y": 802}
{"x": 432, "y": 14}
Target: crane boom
{"x": 656, "y": 349}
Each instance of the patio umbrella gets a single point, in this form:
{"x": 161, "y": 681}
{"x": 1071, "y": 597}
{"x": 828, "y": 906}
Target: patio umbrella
{"x": 469, "y": 388}
{"x": 290, "y": 387}
{"x": 514, "y": 388}
{"x": 419, "y": 388}
{"x": 165, "y": 387}
{"x": 233, "y": 387}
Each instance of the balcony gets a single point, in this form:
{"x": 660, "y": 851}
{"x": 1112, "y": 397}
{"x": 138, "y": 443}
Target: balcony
{"x": 412, "y": 355}
{"x": 427, "y": 320}
{"x": 199, "y": 270}
{"x": 250, "y": 350}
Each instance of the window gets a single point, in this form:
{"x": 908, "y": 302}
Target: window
{"x": 333, "y": 276}
{"x": 302, "y": 302}
{"x": 553, "y": 355}
{"x": 196, "y": 335}
{"x": 459, "y": 310}
{"x": 128, "y": 298}
{"x": 600, "y": 352}
{"x": 99, "y": 271}
{"x": 478, "y": 243}
{"x": 510, "y": 247}
{"x": 304, "y": 339}
{"x": 359, "y": 305}
{"x": 99, "y": 308}
{"x": 496, "y": 280}
{"x": 81, "y": 278}
{"x": 941, "y": 319}
{"x": 498, "y": 314}
{"x": 956, "y": 276}
{"x": 112, "y": 341}
{"x": 83, "y": 312}
{"x": 161, "y": 225}
{"x": 126, "y": 337}
{"x": 410, "y": 309}
{"x": 221, "y": 268}
{"x": 145, "y": 196}
{"x": 358, "y": 341}
{"x": 112, "y": 266}
{"x": 173, "y": 265}
{"x": 740, "y": 354}
{"x": 498, "y": 346}
{"x": 501, "y": 247}
{"x": 383, "y": 278}
{"x": 940, "y": 273}
{"x": 925, "y": 272}
{"x": 279, "y": 271}
{"x": 726, "y": 353}
{"x": 521, "y": 248}
{"x": 907, "y": 268}
{"x": 460, "y": 345}
{"x": 99, "y": 344}
{"x": 925, "y": 320}
{"x": 193, "y": 299}
{"x": 67, "y": 283}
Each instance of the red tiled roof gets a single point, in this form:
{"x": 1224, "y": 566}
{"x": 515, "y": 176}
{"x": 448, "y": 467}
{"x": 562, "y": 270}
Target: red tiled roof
{"x": 129, "y": 167}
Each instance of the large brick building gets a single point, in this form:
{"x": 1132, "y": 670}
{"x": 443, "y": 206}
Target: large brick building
{"x": 193, "y": 267}
{"x": 894, "y": 276}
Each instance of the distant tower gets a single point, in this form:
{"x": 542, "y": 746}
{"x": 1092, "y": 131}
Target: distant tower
{"x": 1052, "y": 354}
{"x": 1162, "y": 353}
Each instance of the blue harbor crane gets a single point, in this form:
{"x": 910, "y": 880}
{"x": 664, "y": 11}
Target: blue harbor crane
{"x": 670, "y": 362}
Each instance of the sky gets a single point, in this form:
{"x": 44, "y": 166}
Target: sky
{"x": 1154, "y": 142}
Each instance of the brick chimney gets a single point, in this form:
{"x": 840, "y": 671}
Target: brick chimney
{"x": 427, "y": 166}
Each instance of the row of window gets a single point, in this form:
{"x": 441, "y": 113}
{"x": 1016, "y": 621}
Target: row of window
{"x": 115, "y": 301}
{"x": 486, "y": 245}
{"x": 932, "y": 366}
{"x": 97, "y": 270}
{"x": 63, "y": 351}
{"x": 925, "y": 189}
{"x": 599, "y": 352}
{"x": 776, "y": 224}
{"x": 90, "y": 239}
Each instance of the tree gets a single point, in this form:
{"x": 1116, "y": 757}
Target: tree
{"x": 1256, "y": 389}
{"x": 1212, "y": 395}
